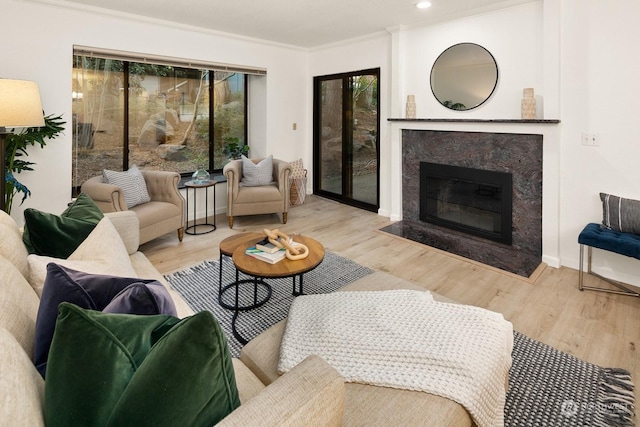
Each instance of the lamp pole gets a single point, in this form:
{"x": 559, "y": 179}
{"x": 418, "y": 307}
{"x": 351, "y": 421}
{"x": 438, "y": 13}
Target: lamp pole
{"x": 3, "y": 190}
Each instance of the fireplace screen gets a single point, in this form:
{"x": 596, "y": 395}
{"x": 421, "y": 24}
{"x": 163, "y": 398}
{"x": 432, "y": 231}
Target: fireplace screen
{"x": 474, "y": 201}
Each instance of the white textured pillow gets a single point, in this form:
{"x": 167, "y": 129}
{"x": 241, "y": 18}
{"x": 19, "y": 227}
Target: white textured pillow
{"x": 254, "y": 175}
{"x": 132, "y": 184}
{"x": 22, "y": 397}
{"x": 102, "y": 252}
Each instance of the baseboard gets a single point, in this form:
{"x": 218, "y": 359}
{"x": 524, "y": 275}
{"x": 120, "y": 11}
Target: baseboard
{"x": 551, "y": 261}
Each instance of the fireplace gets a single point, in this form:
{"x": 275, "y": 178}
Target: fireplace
{"x": 517, "y": 155}
{"x": 474, "y": 201}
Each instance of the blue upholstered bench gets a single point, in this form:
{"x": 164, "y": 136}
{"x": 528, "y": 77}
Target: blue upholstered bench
{"x": 595, "y": 236}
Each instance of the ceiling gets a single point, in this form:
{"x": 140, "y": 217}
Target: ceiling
{"x": 301, "y": 23}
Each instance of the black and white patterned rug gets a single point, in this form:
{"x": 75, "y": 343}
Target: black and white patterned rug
{"x": 547, "y": 387}
{"x": 199, "y": 287}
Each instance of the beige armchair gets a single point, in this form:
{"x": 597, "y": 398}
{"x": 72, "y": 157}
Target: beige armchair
{"x": 163, "y": 214}
{"x": 264, "y": 199}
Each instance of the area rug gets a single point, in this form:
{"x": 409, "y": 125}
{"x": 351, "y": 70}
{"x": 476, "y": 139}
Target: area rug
{"x": 547, "y": 387}
{"x": 198, "y": 286}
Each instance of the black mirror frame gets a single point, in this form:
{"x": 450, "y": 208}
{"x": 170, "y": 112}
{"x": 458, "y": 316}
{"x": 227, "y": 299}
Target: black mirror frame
{"x": 495, "y": 85}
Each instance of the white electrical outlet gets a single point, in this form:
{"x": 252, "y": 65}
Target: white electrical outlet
{"x": 590, "y": 139}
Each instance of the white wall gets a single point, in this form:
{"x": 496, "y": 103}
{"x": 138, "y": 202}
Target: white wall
{"x": 578, "y": 55}
{"x": 512, "y": 35}
{"x": 38, "y": 45}
{"x": 600, "y": 92}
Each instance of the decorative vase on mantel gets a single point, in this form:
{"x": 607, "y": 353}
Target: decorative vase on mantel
{"x": 411, "y": 107}
{"x": 200, "y": 176}
{"x": 528, "y": 104}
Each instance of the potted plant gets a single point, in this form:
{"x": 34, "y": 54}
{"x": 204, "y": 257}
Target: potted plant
{"x": 16, "y": 145}
{"x": 233, "y": 149}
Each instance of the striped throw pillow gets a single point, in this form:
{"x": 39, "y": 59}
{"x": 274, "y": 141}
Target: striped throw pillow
{"x": 620, "y": 214}
{"x": 132, "y": 184}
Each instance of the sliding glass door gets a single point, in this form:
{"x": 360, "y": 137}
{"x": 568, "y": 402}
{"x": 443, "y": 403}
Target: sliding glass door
{"x": 346, "y": 144}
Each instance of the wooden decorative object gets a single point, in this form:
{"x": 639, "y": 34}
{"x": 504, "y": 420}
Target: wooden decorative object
{"x": 411, "y": 107}
{"x": 528, "y": 104}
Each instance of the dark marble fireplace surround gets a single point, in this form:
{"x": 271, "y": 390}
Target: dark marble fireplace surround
{"x": 518, "y": 154}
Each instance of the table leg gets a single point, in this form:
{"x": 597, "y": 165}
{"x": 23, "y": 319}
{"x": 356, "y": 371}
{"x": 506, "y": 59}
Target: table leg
{"x": 220, "y": 276}
{"x": 237, "y": 292}
{"x": 255, "y": 290}
{"x": 214, "y": 207}
{"x": 234, "y": 329}
{"x": 297, "y": 292}
{"x": 195, "y": 218}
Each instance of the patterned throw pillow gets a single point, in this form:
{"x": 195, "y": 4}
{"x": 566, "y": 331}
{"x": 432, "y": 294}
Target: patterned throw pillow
{"x": 297, "y": 169}
{"x": 620, "y": 214}
{"x": 254, "y": 175}
{"x": 132, "y": 184}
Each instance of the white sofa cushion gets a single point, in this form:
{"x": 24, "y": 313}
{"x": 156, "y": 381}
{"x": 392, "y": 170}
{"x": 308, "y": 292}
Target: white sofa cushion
{"x": 18, "y": 305}
{"x": 21, "y": 386}
{"x": 102, "y": 252}
{"x": 12, "y": 247}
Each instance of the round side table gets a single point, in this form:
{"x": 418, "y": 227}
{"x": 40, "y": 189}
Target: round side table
{"x": 193, "y": 229}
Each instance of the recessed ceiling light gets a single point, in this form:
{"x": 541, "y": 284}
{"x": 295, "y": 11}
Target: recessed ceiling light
{"x": 423, "y": 4}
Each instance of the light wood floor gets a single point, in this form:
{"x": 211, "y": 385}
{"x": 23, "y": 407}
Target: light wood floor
{"x": 597, "y": 327}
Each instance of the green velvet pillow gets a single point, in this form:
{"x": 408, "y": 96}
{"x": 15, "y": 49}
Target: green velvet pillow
{"x": 129, "y": 370}
{"x": 59, "y": 235}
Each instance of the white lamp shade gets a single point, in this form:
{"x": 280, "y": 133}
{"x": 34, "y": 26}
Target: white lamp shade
{"x": 20, "y": 104}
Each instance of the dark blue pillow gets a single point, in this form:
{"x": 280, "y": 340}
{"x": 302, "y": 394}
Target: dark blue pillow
{"x": 94, "y": 292}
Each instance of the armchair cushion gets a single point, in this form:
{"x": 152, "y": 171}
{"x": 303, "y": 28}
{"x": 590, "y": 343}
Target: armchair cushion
{"x": 255, "y": 175}
{"x": 59, "y": 235}
{"x": 132, "y": 184}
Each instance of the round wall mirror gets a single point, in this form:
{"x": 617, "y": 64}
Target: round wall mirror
{"x": 464, "y": 76}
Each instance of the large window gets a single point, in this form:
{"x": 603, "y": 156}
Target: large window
{"x": 155, "y": 116}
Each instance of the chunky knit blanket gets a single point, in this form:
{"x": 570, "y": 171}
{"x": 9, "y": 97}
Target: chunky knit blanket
{"x": 404, "y": 339}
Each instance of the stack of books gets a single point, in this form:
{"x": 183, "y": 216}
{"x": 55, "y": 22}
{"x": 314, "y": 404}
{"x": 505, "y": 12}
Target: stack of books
{"x": 266, "y": 251}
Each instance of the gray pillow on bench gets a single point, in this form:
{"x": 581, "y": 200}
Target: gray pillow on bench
{"x": 620, "y": 214}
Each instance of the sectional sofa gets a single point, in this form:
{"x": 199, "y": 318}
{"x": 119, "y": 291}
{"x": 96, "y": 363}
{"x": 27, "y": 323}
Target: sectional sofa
{"x": 313, "y": 393}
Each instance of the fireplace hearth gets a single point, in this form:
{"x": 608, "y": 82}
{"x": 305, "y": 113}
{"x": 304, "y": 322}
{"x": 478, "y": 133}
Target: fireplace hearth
{"x": 516, "y": 155}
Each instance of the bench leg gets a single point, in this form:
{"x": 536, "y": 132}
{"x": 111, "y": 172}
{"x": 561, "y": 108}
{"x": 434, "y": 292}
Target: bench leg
{"x": 622, "y": 289}
{"x": 581, "y": 270}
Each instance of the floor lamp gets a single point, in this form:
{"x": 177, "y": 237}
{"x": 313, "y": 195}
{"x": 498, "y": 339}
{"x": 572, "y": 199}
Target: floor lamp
{"x": 20, "y": 106}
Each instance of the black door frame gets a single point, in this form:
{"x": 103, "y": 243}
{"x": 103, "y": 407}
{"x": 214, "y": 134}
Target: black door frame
{"x": 347, "y": 139}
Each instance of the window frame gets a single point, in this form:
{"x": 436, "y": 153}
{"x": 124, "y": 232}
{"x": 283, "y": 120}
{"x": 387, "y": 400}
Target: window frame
{"x": 127, "y": 58}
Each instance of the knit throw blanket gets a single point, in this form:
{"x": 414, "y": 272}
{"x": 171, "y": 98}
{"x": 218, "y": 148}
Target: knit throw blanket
{"x": 404, "y": 339}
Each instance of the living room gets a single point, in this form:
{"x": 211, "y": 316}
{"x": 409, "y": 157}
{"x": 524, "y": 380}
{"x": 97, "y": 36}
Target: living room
{"x": 564, "y": 49}
{"x": 570, "y": 51}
